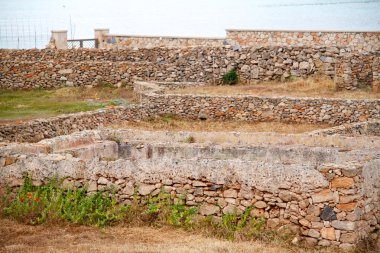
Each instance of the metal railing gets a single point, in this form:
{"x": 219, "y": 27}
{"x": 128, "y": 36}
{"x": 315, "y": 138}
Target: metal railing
{"x": 82, "y": 43}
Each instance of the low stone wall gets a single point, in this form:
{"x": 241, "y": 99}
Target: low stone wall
{"x": 332, "y": 198}
{"x": 358, "y": 41}
{"x": 256, "y": 108}
{"x": 25, "y": 69}
{"x": 154, "y": 101}
{"x": 38, "y": 129}
{"x": 130, "y": 41}
{"x": 354, "y": 129}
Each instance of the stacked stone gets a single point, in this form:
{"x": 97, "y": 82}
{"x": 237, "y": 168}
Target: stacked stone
{"x": 336, "y": 203}
{"x": 358, "y": 41}
{"x": 36, "y": 130}
{"x": 339, "y": 215}
{"x": 26, "y": 69}
{"x": 126, "y": 41}
{"x": 254, "y": 108}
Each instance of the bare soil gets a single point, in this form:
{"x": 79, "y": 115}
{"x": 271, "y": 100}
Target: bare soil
{"x": 16, "y": 237}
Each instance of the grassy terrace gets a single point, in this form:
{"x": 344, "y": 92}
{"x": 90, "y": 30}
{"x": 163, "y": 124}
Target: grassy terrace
{"x": 311, "y": 87}
{"x": 29, "y": 104}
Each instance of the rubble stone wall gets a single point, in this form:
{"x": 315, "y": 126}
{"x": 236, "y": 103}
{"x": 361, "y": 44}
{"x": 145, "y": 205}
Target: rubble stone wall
{"x": 130, "y": 41}
{"x": 38, "y": 129}
{"x": 26, "y": 69}
{"x": 358, "y": 41}
{"x": 330, "y": 198}
{"x": 256, "y": 108}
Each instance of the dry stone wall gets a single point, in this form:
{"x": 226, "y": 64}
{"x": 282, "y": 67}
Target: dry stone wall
{"x": 154, "y": 102}
{"x": 256, "y": 108}
{"x": 38, "y": 129}
{"x": 330, "y": 198}
{"x": 355, "y": 40}
{"x": 25, "y": 69}
{"x": 358, "y": 41}
{"x": 130, "y": 41}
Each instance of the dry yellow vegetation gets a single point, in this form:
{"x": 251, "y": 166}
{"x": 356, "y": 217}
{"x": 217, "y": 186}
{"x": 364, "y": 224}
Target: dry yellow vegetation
{"x": 317, "y": 86}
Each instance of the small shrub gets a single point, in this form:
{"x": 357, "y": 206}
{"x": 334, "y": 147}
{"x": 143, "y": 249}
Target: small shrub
{"x": 231, "y": 77}
{"x": 161, "y": 209}
{"x": 189, "y": 139}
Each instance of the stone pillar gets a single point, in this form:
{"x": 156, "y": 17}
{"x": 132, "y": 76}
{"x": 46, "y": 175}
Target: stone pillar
{"x": 59, "y": 38}
{"x": 100, "y": 36}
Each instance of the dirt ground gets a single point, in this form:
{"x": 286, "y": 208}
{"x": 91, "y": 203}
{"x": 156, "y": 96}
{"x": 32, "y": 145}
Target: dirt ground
{"x": 16, "y": 237}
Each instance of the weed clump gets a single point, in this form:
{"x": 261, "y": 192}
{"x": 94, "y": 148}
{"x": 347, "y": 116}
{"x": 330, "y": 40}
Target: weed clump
{"x": 231, "y": 77}
{"x": 51, "y": 203}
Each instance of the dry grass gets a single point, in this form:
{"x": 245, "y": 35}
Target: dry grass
{"x": 311, "y": 87}
{"x": 16, "y": 237}
{"x": 173, "y": 124}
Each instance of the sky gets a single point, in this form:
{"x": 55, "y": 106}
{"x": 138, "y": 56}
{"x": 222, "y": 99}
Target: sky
{"x": 210, "y": 18}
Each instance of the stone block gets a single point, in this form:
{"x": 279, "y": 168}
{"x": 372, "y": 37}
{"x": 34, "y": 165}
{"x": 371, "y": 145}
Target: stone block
{"x": 342, "y": 182}
{"x": 344, "y": 225}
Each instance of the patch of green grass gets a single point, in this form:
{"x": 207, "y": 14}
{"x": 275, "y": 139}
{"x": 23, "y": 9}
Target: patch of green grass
{"x": 26, "y": 104}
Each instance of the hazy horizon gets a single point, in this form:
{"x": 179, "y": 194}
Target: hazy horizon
{"x": 23, "y": 22}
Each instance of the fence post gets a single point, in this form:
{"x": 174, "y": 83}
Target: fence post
{"x": 101, "y": 36}
{"x": 60, "y": 39}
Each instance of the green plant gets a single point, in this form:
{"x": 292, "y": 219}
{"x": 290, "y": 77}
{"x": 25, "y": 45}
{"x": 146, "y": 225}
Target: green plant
{"x": 162, "y": 209}
{"x": 232, "y": 225}
{"x": 181, "y": 215}
{"x": 231, "y": 77}
{"x": 189, "y": 139}
{"x": 39, "y": 204}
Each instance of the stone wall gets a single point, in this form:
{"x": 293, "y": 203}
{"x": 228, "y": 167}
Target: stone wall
{"x": 38, "y": 129}
{"x": 256, "y": 108}
{"x": 130, "y": 41}
{"x": 330, "y": 198}
{"x": 358, "y": 41}
{"x": 154, "y": 101}
{"x": 57, "y": 68}
{"x": 355, "y": 40}
{"x": 354, "y": 129}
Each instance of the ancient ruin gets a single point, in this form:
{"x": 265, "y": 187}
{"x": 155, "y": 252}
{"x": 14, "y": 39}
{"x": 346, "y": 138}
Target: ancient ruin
{"x": 322, "y": 185}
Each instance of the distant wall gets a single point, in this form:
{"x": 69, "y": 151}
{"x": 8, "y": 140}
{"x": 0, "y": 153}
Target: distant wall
{"x": 361, "y": 41}
{"x": 56, "y": 68}
{"x": 357, "y": 41}
{"x": 129, "y": 41}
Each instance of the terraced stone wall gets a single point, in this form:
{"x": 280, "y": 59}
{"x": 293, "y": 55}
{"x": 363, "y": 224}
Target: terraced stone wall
{"x": 255, "y": 108}
{"x": 330, "y": 198}
{"x": 26, "y": 69}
